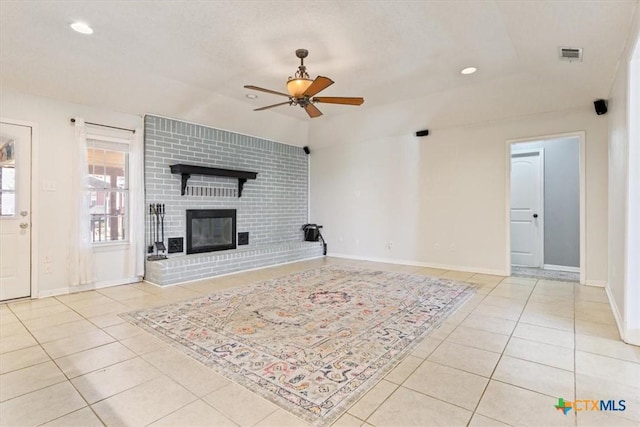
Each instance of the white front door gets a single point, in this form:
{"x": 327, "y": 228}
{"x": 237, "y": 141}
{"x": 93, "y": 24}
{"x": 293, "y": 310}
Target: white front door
{"x": 526, "y": 212}
{"x": 15, "y": 211}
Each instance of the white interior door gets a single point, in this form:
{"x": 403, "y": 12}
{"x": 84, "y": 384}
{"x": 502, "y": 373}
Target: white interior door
{"x": 526, "y": 208}
{"x": 15, "y": 211}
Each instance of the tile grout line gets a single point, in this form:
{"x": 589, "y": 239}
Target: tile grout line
{"x": 78, "y": 392}
{"x": 68, "y": 379}
{"x": 500, "y": 358}
{"x": 90, "y": 406}
{"x": 36, "y": 389}
{"x": 426, "y": 359}
{"x": 58, "y": 367}
{"x": 401, "y": 385}
{"x": 198, "y": 399}
{"x": 397, "y": 386}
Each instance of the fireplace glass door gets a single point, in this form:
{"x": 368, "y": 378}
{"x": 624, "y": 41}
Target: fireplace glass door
{"x": 210, "y": 230}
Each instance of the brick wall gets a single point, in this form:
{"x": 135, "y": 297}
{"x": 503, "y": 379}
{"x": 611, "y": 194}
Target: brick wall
{"x": 272, "y": 208}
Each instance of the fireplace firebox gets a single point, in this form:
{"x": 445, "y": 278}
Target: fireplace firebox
{"x": 210, "y": 230}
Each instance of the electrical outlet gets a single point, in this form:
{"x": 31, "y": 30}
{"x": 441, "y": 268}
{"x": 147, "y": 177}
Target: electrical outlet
{"x": 389, "y": 246}
{"x": 48, "y": 186}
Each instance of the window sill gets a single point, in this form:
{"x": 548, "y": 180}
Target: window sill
{"x": 110, "y": 246}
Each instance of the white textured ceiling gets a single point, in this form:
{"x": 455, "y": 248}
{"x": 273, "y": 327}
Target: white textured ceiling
{"x": 385, "y": 51}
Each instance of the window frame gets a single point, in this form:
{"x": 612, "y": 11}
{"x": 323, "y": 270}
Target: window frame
{"x": 99, "y": 141}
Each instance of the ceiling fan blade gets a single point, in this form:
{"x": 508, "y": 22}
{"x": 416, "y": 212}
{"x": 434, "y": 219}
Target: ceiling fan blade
{"x": 271, "y": 106}
{"x": 339, "y": 100}
{"x": 265, "y": 90}
{"x": 312, "y": 110}
{"x": 320, "y": 83}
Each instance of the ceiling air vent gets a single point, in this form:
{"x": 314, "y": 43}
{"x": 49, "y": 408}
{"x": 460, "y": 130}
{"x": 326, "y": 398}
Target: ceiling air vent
{"x": 570, "y": 54}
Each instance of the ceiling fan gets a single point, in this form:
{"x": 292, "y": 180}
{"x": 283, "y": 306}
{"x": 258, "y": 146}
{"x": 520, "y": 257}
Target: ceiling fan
{"x": 302, "y": 90}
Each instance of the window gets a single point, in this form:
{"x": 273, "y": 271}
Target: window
{"x": 108, "y": 186}
{"x": 7, "y": 178}
{"x": 7, "y": 191}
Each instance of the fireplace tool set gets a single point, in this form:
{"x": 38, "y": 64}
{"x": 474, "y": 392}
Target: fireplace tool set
{"x": 156, "y": 232}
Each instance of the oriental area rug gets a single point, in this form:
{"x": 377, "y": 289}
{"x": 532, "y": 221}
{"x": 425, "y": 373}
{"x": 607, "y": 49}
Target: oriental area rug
{"x": 311, "y": 342}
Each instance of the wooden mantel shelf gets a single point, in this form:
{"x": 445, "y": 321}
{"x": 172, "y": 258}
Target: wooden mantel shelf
{"x": 187, "y": 170}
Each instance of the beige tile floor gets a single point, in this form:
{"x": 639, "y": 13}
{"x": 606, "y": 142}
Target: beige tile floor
{"x": 503, "y": 359}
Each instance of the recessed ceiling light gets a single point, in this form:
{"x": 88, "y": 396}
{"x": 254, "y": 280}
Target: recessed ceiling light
{"x": 469, "y": 70}
{"x": 251, "y": 96}
{"x": 82, "y": 28}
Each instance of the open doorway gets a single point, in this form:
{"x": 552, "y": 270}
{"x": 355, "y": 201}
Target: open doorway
{"x": 545, "y": 195}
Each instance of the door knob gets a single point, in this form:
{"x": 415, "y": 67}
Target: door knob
{"x": 535, "y": 215}
{"x": 24, "y": 225}
{"x": 24, "y": 213}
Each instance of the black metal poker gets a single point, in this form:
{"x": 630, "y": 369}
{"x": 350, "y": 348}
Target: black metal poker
{"x": 156, "y": 225}
{"x": 160, "y": 222}
{"x": 152, "y": 238}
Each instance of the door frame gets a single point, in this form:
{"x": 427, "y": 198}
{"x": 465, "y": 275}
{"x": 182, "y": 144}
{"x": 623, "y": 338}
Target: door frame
{"x": 540, "y": 234}
{"x": 581, "y": 135}
{"x": 35, "y": 178}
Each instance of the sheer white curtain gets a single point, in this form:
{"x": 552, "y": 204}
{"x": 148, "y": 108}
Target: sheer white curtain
{"x": 81, "y": 256}
{"x": 136, "y": 195}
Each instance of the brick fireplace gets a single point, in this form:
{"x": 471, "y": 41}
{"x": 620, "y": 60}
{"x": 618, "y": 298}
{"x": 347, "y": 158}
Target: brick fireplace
{"x": 272, "y": 208}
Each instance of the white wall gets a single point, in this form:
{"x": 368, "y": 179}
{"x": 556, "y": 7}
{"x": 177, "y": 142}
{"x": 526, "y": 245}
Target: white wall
{"x": 51, "y": 156}
{"x": 440, "y": 200}
{"x": 623, "y": 281}
{"x": 52, "y": 210}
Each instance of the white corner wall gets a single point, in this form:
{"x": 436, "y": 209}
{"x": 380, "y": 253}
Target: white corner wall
{"x": 623, "y": 285}
{"x": 52, "y": 212}
{"x": 439, "y": 200}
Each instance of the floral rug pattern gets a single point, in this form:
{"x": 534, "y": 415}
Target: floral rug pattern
{"x": 312, "y": 342}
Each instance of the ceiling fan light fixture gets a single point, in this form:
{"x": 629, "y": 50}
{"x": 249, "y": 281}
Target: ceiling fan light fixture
{"x": 302, "y": 91}
{"x": 468, "y": 70}
{"x": 296, "y": 87}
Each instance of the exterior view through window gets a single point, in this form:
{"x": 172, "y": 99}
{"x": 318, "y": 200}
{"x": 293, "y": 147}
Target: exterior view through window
{"x": 108, "y": 186}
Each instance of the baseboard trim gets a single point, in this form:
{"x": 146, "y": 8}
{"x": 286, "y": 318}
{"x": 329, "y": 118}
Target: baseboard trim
{"x": 421, "y": 264}
{"x": 554, "y": 267}
{"x": 616, "y": 312}
{"x": 53, "y": 292}
{"x": 231, "y": 273}
{"x": 109, "y": 283}
{"x": 596, "y": 283}
{"x": 633, "y": 337}
{"x": 88, "y": 287}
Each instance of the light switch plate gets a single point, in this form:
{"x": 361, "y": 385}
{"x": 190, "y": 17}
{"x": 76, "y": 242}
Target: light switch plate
{"x": 48, "y": 186}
